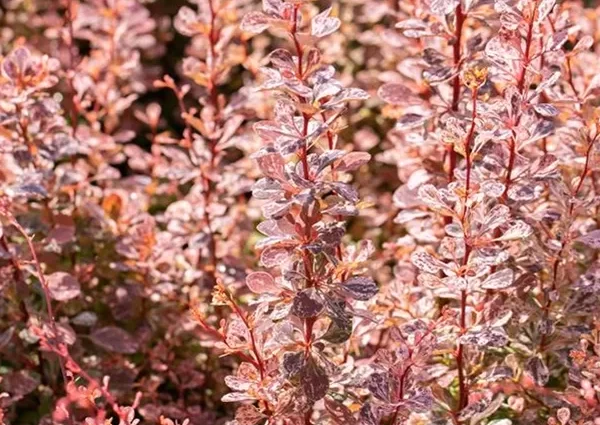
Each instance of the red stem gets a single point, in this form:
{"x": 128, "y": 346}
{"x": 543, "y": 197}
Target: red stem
{"x": 570, "y": 77}
{"x": 256, "y": 352}
{"x": 40, "y": 273}
{"x": 218, "y": 335}
{"x": 213, "y": 38}
{"x": 304, "y": 148}
{"x": 521, "y": 88}
{"x": 45, "y": 289}
{"x": 297, "y": 44}
{"x": 468, "y": 140}
{"x": 558, "y": 259}
{"x": 306, "y": 255}
{"x": 400, "y": 393}
{"x": 456, "y": 49}
{"x": 462, "y": 384}
{"x": 338, "y": 249}
{"x": 405, "y": 374}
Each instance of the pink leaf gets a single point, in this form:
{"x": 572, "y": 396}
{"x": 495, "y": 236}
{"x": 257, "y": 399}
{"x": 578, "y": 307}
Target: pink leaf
{"x": 352, "y": 161}
{"x": 63, "y": 286}
{"x": 591, "y": 239}
{"x": 115, "y": 339}
{"x": 248, "y": 415}
{"x": 394, "y": 93}
{"x": 323, "y": 25}
{"x": 261, "y": 282}
{"x": 255, "y": 22}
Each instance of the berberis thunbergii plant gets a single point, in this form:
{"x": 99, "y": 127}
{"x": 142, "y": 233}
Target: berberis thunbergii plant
{"x": 295, "y": 212}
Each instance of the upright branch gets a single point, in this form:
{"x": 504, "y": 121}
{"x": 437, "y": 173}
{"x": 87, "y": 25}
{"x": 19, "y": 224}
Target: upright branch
{"x": 208, "y": 132}
{"x": 474, "y": 79}
{"x": 590, "y": 140}
{"x": 459, "y": 21}
{"x": 305, "y": 212}
{"x": 52, "y": 339}
{"x": 522, "y": 92}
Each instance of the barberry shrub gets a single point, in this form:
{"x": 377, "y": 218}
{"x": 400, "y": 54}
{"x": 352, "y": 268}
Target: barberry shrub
{"x": 295, "y": 212}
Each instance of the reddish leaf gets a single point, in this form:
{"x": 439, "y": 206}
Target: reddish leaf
{"x": 261, "y": 282}
{"x": 63, "y": 286}
{"x": 114, "y": 339}
{"x": 591, "y": 239}
{"x": 255, "y": 22}
{"x": 360, "y": 288}
{"x": 307, "y": 304}
{"x": 395, "y": 93}
{"x": 313, "y": 381}
{"x": 248, "y": 415}
{"x": 351, "y": 161}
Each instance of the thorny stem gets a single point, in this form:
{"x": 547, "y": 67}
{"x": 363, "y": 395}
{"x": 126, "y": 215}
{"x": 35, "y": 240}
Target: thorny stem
{"x": 570, "y": 77}
{"x": 557, "y": 261}
{"x": 105, "y": 393}
{"x": 462, "y": 384}
{"x": 61, "y": 349}
{"x": 40, "y": 273}
{"x": 297, "y": 44}
{"x": 259, "y": 361}
{"x": 405, "y": 374}
{"x": 463, "y": 387}
{"x": 256, "y": 352}
{"x": 468, "y": 147}
{"x": 213, "y": 38}
{"x": 306, "y": 255}
{"x": 583, "y": 173}
{"x": 460, "y": 20}
{"x": 512, "y": 145}
{"x": 521, "y": 89}
{"x": 400, "y": 394}
{"x": 304, "y": 149}
{"x": 218, "y": 335}
{"x": 207, "y": 192}
{"x": 512, "y": 142}
{"x": 330, "y": 145}
{"x": 211, "y": 269}
{"x": 45, "y": 289}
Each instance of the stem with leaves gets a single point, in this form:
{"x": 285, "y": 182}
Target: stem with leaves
{"x": 54, "y": 343}
{"x": 559, "y": 255}
{"x": 460, "y": 18}
{"x": 522, "y": 90}
{"x": 463, "y": 386}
